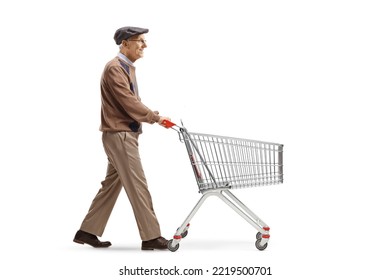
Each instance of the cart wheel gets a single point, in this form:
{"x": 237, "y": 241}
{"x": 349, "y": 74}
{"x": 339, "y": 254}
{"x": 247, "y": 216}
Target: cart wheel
{"x": 184, "y": 234}
{"x": 258, "y": 235}
{"x": 258, "y": 246}
{"x": 171, "y": 248}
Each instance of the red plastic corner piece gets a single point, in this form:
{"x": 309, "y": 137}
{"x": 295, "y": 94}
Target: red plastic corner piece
{"x": 266, "y": 228}
{"x": 177, "y": 237}
{"x": 188, "y": 224}
{"x": 265, "y": 236}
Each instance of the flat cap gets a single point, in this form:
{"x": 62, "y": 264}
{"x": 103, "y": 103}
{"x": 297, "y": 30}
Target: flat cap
{"x": 126, "y": 32}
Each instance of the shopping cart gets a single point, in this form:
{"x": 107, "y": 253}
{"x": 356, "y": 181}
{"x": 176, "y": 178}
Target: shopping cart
{"x": 224, "y": 163}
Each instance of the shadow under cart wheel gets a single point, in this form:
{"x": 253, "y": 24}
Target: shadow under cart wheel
{"x": 258, "y": 246}
{"x": 172, "y": 248}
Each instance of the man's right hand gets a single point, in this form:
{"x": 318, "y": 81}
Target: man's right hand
{"x": 162, "y": 119}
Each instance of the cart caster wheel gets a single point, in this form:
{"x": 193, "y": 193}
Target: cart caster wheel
{"x": 258, "y": 235}
{"x": 184, "y": 234}
{"x": 258, "y": 246}
{"x": 172, "y": 248}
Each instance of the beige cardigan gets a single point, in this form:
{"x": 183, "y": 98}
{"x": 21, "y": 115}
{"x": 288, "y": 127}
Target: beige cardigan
{"x": 121, "y": 105}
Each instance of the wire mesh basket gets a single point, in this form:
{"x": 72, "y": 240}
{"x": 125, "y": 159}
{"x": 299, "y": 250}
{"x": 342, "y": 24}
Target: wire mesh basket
{"x": 221, "y": 162}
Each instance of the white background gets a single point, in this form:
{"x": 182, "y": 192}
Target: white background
{"x": 312, "y": 75}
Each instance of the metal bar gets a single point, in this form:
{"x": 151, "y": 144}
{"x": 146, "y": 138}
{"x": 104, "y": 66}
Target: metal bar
{"x": 195, "y": 209}
{"x": 245, "y": 208}
{"x": 280, "y": 162}
{"x": 240, "y": 212}
{"x": 187, "y": 220}
{"x": 201, "y": 158}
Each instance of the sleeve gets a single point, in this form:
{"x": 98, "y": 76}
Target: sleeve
{"x": 118, "y": 84}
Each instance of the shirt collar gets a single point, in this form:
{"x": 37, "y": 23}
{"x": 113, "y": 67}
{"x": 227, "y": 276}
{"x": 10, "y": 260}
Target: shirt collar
{"x": 123, "y": 57}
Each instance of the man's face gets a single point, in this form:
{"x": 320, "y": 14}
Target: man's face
{"x": 133, "y": 47}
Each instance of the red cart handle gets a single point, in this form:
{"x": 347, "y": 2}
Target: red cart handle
{"x": 168, "y": 124}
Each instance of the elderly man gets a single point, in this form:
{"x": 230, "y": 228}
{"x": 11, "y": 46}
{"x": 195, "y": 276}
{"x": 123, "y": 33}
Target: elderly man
{"x": 122, "y": 113}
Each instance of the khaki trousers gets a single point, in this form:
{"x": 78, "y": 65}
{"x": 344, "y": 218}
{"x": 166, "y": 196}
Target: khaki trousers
{"x": 124, "y": 169}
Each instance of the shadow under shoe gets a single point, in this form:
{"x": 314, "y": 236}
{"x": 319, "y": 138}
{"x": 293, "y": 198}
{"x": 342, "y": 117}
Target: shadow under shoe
{"x": 82, "y": 237}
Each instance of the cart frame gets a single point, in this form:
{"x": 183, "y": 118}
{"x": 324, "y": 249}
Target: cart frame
{"x": 223, "y": 163}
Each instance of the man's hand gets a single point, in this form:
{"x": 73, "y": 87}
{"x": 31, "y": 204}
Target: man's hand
{"x": 162, "y": 119}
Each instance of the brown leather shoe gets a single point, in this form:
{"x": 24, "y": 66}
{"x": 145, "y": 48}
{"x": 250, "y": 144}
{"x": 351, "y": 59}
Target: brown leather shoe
{"x": 158, "y": 243}
{"x": 82, "y": 237}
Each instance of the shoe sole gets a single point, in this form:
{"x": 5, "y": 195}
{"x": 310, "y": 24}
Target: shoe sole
{"x": 78, "y": 241}
{"x": 82, "y": 243}
{"x": 151, "y": 249}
